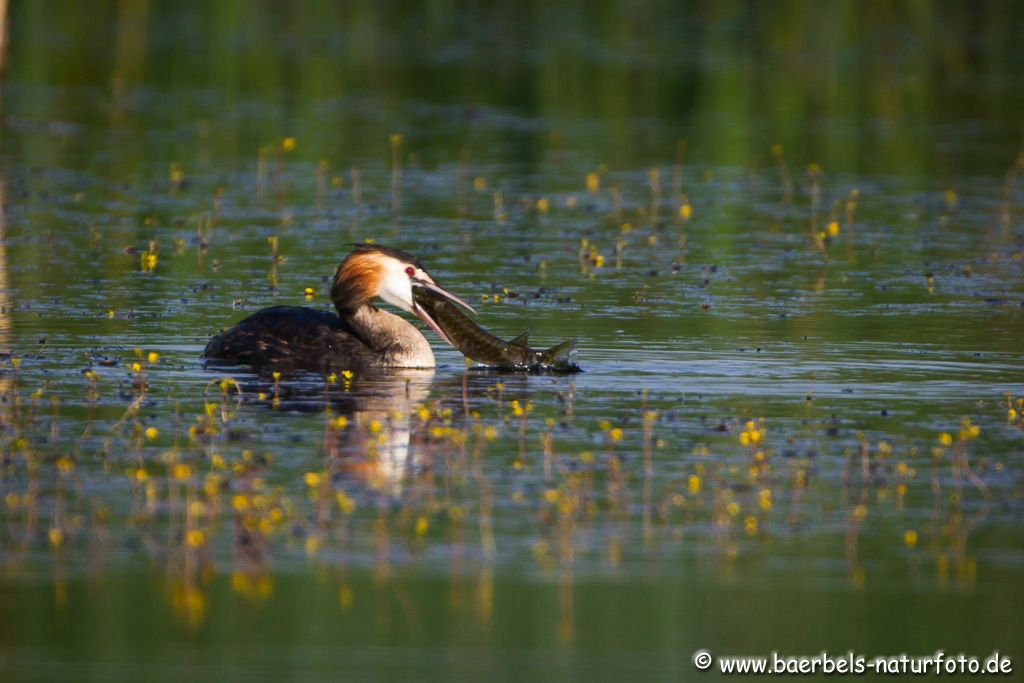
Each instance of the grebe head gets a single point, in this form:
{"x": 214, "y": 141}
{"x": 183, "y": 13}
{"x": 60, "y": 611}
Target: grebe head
{"x": 371, "y": 271}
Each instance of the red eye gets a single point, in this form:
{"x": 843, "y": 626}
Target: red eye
{"x": 410, "y": 271}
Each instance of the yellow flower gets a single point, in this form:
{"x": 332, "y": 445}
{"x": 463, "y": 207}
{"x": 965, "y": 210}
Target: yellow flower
{"x": 176, "y": 175}
{"x": 542, "y": 205}
{"x": 309, "y": 292}
{"x": 615, "y": 435}
{"x": 685, "y": 210}
{"x": 422, "y": 525}
{"x": 211, "y": 485}
{"x": 289, "y": 144}
{"x": 693, "y": 484}
{"x": 239, "y": 581}
{"x": 833, "y": 229}
{"x": 910, "y": 538}
{"x": 152, "y": 433}
{"x": 195, "y": 539}
{"x": 346, "y": 504}
{"x": 346, "y": 597}
{"x": 945, "y": 438}
{"x": 593, "y": 182}
{"x": 313, "y": 479}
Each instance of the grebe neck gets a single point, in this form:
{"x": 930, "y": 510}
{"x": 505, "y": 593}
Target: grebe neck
{"x": 399, "y": 343}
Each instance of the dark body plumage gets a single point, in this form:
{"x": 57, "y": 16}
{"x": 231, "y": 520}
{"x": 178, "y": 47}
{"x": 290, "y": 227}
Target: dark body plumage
{"x": 294, "y": 337}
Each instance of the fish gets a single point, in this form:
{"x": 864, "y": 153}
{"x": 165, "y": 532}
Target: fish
{"x": 479, "y": 345}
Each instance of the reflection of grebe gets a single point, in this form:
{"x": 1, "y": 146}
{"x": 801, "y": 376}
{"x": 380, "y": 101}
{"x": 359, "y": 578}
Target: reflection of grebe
{"x": 359, "y": 336}
{"x": 385, "y": 441}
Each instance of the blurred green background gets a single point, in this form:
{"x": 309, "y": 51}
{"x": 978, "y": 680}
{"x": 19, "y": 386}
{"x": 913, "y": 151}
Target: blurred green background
{"x": 877, "y": 86}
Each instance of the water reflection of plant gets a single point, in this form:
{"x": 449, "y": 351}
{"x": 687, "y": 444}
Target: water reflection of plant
{"x": 403, "y": 476}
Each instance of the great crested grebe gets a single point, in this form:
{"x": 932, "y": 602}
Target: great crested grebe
{"x": 359, "y": 336}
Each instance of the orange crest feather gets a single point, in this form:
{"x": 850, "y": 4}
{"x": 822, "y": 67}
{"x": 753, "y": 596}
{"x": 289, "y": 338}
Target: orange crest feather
{"x": 356, "y": 281}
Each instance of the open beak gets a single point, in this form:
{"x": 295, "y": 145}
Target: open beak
{"x": 443, "y": 292}
{"x": 425, "y": 317}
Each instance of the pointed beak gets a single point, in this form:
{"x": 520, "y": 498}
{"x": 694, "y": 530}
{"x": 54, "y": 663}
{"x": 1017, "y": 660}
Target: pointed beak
{"x": 416, "y": 282}
{"x": 425, "y": 317}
